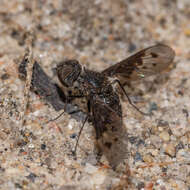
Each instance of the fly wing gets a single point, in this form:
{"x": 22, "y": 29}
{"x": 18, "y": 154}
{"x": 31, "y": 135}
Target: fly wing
{"x": 150, "y": 61}
{"x": 111, "y": 136}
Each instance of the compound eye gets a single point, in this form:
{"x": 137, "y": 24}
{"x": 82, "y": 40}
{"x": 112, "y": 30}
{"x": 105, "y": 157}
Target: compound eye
{"x": 68, "y": 72}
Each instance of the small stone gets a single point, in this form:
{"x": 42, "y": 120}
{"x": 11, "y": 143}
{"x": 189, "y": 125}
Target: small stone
{"x": 43, "y": 146}
{"x": 153, "y": 107}
{"x": 179, "y": 146}
{"x": 132, "y": 47}
{"x": 31, "y": 176}
{"x": 149, "y": 186}
{"x": 164, "y": 169}
{"x": 18, "y": 186}
{"x": 162, "y": 123}
{"x": 154, "y": 152}
{"x": 170, "y": 149}
{"x": 188, "y": 179}
{"x": 164, "y": 136}
{"x": 140, "y": 185}
{"x": 31, "y": 146}
{"x": 68, "y": 187}
{"x": 140, "y": 142}
{"x": 183, "y": 155}
{"x": 5, "y": 76}
{"x": 137, "y": 157}
{"x": 173, "y": 183}
{"x": 160, "y": 129}
{"x": 187, "y": 32}
{"x": 72, "y": 136}
{"x": 90, "y": 169}
{"x": 98, "y": 178}
{"x": 2, "y": 169}
{"x": 148, "y": 158}
{"x": 133, "y": 139}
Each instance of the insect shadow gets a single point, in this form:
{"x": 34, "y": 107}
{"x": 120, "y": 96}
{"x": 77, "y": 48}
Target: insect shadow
{"x": 104, "y": 107}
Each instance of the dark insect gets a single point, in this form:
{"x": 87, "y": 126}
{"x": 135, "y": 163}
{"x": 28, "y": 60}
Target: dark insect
{"x": 103, "y": 101}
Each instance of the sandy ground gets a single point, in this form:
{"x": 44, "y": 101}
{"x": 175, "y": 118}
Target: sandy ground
{"x": 97, "y": 33}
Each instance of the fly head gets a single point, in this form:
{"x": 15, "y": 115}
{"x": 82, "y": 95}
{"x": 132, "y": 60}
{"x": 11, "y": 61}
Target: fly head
{"x": 68, "y": 72}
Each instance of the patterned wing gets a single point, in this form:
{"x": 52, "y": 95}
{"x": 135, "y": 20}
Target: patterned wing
{"x": 111, "y": 137}
{"x": 149, "y": 61}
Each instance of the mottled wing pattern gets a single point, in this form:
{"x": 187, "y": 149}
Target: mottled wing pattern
{"x": 111, "y": 137}
{"x": 149, "y": 61}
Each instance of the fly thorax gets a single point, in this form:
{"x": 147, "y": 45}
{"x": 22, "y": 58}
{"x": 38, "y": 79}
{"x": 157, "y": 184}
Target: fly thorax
{"x": 92, "y": 81}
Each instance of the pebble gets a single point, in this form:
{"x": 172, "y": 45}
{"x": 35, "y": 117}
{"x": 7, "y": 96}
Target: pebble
{"x": 31, "y": 146}
{"x": 154, "y": 152}
{"x": 90, "y": 168}
{"x": 164, "y": 136}
{"x": 170, "y": 149}
{"x": 138, "y": 157}
{"x": 72, "y": 136}
{"x": 98, "y": 178}
{"x": 187, "y": 32}
{"x": 183, "y": 155}
{"x": 43, "y": 146}
{"x": 153, "y": 107}
{"x": 148, "y": 158}
{"x": 31, "y": 176}
{"x": 173, "y": 183}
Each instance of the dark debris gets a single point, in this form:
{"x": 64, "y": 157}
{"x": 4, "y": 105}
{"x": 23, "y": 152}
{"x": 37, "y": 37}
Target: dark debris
{"x": 48, "y": 90}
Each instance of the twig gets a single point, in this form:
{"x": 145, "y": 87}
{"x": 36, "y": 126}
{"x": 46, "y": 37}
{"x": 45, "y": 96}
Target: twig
{"x": 29, "y": 69}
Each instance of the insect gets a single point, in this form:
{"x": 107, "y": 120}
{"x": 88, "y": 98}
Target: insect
{"x": 103, "y": 101}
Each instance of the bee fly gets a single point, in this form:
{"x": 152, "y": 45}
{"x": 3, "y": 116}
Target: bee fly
{"x": 103, "y": 101}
